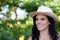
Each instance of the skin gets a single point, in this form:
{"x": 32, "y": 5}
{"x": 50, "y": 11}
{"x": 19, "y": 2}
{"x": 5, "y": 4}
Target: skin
{"x": 42, "y": 24}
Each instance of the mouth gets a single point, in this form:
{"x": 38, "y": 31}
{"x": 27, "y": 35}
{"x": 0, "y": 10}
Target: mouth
{"x": 40, "y": 25}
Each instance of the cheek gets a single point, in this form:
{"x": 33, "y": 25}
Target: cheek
{"x": 45, "y": 23}
{"x": 42, "y": 25}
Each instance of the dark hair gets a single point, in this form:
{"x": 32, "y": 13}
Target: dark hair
{"x": 52, "y": 29}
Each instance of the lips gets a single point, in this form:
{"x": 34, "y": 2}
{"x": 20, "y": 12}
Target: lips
{"x": 39, "y": 26}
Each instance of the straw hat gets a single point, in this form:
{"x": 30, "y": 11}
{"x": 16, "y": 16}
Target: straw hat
{"x": 46, "y": 11}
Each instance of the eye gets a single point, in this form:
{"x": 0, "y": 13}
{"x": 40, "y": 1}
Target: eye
{"x": 42, "y": 19}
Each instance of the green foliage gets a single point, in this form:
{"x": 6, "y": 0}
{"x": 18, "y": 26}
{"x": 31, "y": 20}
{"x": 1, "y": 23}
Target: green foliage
{"x": 14, "y": 29}
{"x": 8, "y": 32}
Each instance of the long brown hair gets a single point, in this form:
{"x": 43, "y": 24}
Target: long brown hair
{"x": 52, "y": 29}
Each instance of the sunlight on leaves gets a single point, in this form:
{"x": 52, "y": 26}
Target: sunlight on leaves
{"x": 9, "y": 25}
{"x": 22, "y": 37}
{"x": 0, "y": 22}
{"x": 59, "y": 18}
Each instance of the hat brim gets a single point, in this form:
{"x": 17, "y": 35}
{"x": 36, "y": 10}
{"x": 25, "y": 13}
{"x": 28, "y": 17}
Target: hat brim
{"x": 52, "y": 15}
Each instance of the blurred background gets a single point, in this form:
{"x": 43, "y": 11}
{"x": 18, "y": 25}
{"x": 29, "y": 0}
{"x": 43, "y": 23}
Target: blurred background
{"x": 15, "y": 24}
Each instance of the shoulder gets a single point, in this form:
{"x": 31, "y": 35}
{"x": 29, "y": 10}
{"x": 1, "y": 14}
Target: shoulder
{"x": 30, "y": 38}
{"x": 58, "y": 37}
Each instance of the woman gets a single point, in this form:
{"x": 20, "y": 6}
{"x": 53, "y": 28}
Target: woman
{"x": 44, "y": 24}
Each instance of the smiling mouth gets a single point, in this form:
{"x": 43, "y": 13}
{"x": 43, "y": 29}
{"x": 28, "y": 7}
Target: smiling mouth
{"x": 40, "y": 26}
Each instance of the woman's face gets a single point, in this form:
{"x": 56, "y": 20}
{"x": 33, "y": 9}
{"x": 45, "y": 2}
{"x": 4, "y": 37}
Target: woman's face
{"x": 42, "y": 22}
